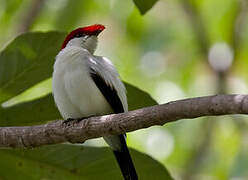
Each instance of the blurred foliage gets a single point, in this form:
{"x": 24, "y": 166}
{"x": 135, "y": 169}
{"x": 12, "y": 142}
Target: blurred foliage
{"x": 164, "y": 52}
{"x": 25, "y": 64}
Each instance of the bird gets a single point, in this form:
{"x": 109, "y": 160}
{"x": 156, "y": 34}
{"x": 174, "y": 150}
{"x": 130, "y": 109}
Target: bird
{"x": 86, "y": 85}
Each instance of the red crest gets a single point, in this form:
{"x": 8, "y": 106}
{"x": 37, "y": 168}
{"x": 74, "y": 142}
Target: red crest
{"x": 88, "y": 30}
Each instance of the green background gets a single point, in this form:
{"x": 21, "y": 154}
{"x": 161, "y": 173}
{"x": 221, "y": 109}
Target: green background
{"x": 165, "y": 51}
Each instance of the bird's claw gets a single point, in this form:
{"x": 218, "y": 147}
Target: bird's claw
{"x": 77, "y": 120}
{"x": 68, "y": 120}
{"x": 80, "y": 119}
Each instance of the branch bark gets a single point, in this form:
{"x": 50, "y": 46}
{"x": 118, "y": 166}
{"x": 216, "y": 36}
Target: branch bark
{"x": 77, "y": 132}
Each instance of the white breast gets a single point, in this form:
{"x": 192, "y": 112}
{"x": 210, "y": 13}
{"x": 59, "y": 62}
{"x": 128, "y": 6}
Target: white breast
{"x": 75, "y": 93}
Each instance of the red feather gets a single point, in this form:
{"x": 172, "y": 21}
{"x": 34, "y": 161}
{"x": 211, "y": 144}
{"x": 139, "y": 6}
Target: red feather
{"x": 88, "y": 30}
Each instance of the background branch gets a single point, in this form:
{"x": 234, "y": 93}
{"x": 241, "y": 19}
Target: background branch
{"x": 78, "y": 132}
{"x": 31, "y": 14}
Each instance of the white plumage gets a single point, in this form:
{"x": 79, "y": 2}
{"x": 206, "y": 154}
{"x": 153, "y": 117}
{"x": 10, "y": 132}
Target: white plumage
{"x": 75, "y": 93}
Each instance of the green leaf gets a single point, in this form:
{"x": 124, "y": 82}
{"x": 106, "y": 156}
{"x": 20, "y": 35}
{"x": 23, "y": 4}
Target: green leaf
{"x": 144, "y": 5}
{"x": 137, "y": 98}
{"x": 73, "y": 162}
{"x": 26, "y": 61}
{"x": 32, "y": 112}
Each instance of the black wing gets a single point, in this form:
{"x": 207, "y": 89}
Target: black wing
{"x": 108, "y": 92}
{"x": 122, "y": 155}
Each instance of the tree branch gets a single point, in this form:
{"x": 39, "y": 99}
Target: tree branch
{"x": 77, "y": 132}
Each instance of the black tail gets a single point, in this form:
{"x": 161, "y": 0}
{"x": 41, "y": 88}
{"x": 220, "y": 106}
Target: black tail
{"x": 125, "y": 161}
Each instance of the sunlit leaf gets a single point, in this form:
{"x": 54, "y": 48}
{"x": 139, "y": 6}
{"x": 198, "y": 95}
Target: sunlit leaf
{"x": 26, "y": 61}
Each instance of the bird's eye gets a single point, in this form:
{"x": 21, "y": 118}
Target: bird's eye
{"x": 79, "y": 35}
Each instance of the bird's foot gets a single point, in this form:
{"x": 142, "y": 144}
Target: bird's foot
{"x": 77, "y": 120}
{"x": 80, "y": 119}
{"x": 68, "y": 120}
